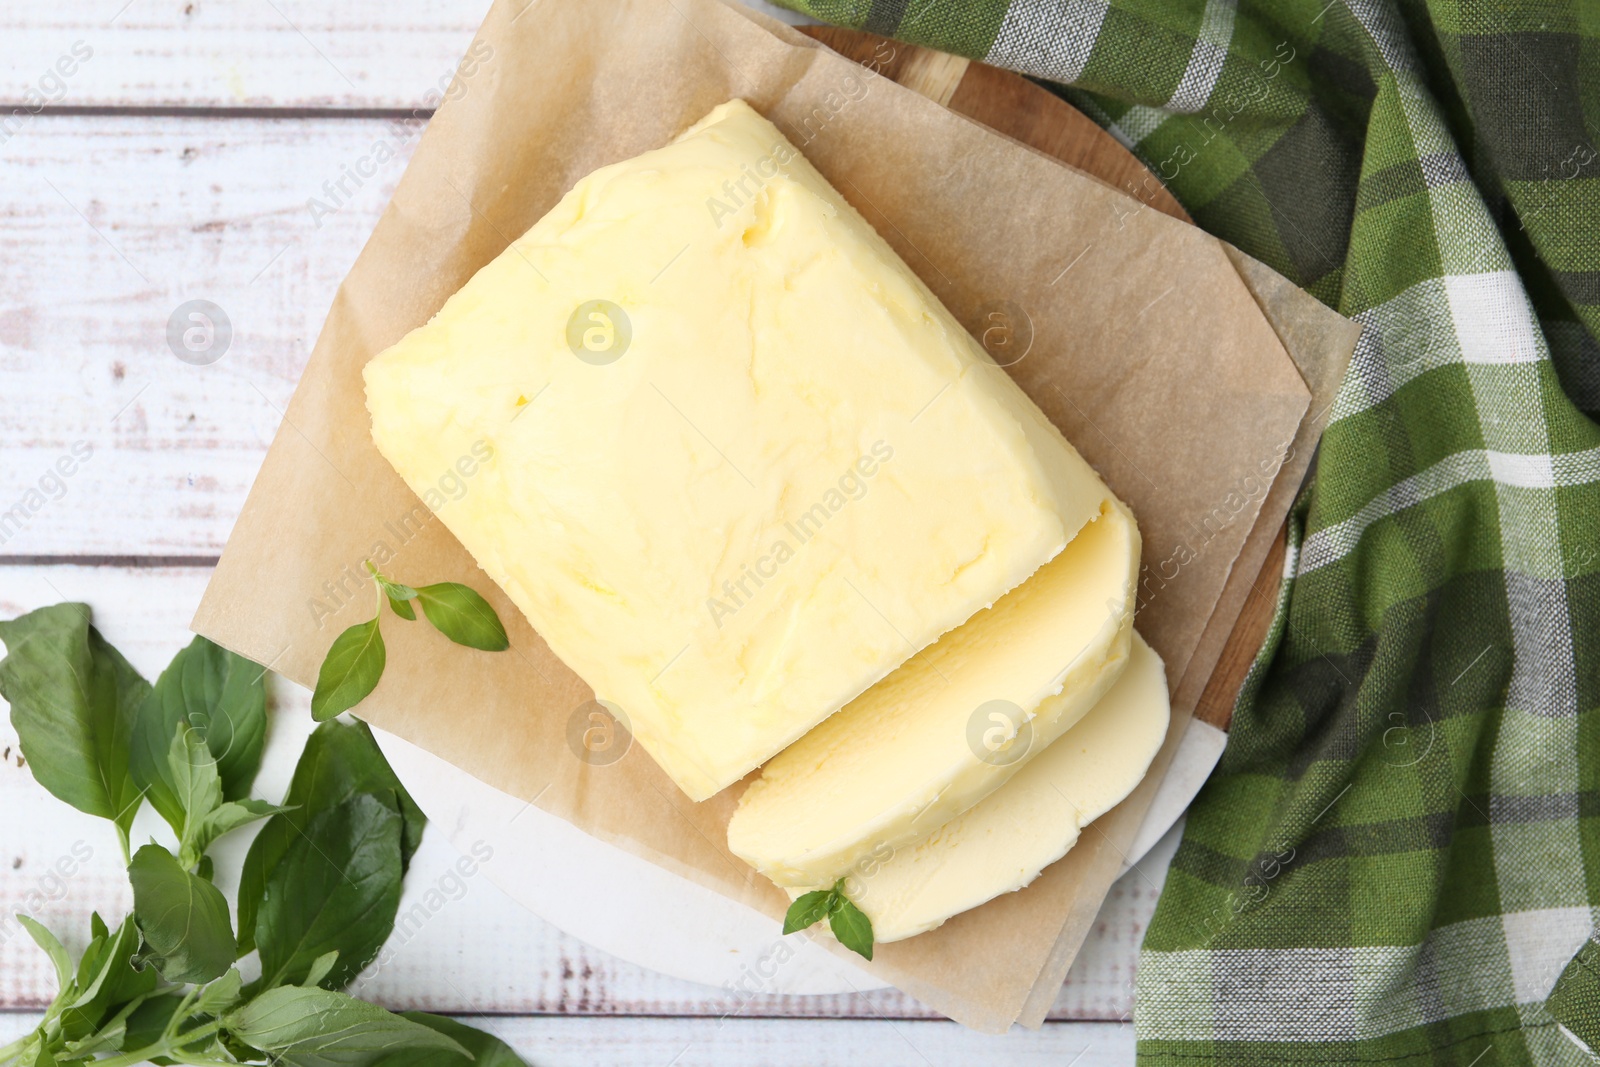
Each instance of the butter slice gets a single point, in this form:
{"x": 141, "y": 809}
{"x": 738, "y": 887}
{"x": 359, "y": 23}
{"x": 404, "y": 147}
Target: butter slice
{"x": 912, "y": 752}
{"x": 783, "y": 469}
{"x": 1002, "y": 844}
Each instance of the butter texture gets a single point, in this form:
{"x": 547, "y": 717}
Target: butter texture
{"x": 918, "y": 749}
{"x": 1001, "y": 844}
{"x": 743, "y": 463}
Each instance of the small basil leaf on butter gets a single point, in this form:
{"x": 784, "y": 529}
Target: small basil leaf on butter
{"x": 851, "y": 926}
{"x": 807, "y": 910}
{"x": 463, "y": 616}
{"x": 350, "y": 672}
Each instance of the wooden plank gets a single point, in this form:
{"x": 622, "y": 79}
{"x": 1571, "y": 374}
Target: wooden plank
{"x": 213, "y": 209}
{"x": 741, "y": 1042}
{"x": 477, "y": 951}
{"x": 359, "y": 54}
{"x": 283, "y": 53}
{"x": 1244, "y": 643}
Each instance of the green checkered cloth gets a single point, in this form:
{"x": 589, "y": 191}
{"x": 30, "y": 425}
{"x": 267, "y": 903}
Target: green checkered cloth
{"x": 1399, "y": 853}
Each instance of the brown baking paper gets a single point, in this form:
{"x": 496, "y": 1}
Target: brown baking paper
{"x": 1148, "y": 351}
{"x": 1320, "y": 341}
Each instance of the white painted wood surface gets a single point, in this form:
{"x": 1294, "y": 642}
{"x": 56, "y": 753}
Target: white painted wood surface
{"x": 173, "y": 163}
{"x": 255, "y": 53}
{"x": 571, "y": 1041}
{"x": 354, "y": 55}
{"x": 115, "y": 221}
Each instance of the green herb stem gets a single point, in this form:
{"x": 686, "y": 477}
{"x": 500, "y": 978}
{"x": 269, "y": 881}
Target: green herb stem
{"x": 167, "y": 1046}
{"x": 185, "y": 1006}
{"x": 11, "y": 1051}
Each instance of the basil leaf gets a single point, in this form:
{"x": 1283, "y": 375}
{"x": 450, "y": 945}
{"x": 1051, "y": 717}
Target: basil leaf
{"x": 149, "y": 1020}
{"x": 52, "y": 947}
{"x": 336, "y": 888}
{"x": 340, "y": 760}
{"x": 394, "y": 590}
{"x": 223, "y": 696}
{"x": 103, "y": 978}
{"x": 463, "y": 616}
{"x": 220, "y": 995}
{"x": 106, "y": 978}
{"x": 228, "y": 817}
{"x": 851, "y": 926}
{"x": 73, "y": 703}
{"x": 351, "y": 670}
{"x": 183, "y": 918}
{"x": 196, "y": 787}
{"x": 303, "y": 1027}
{"x": 106, "y": 1037}
{"x": 94, "y": 955}
{"x": 808, "y": 908}
{"x": 486, "y": 1050}
{"x": 320, "y": 968}
{"x": 399, "y": 595}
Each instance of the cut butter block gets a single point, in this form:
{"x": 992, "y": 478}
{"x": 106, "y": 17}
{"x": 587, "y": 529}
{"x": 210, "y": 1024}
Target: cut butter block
{"x": 1001, "y": 844}
{"x": 920, "y": 747}
{"x": 742, "y": 462}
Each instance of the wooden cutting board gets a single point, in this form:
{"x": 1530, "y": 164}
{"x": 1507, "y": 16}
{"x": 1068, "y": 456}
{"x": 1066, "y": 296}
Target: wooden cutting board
{"x": 1012, "y": 105}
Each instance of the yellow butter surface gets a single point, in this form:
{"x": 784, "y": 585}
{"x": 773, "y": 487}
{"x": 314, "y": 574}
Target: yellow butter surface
{"x": 951, "y": 725}
{"x": 1001, "y": 844}
{"x": 743, "y": 463}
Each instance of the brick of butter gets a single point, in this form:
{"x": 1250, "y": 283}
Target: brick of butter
{"x": 743, "y": 462}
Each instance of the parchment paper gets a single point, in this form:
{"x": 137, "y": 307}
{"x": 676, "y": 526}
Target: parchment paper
{"x": 1320, "y": 341}
{"x": 1148, "y": 351}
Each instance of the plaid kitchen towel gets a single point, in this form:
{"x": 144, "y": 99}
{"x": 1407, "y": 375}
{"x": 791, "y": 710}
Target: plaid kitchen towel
{"x": 1398, "y": 857}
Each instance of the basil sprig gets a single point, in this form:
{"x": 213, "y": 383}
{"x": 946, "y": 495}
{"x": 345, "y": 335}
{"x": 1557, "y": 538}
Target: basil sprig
{"x": 74, "y": 702}
{"x": 318, "y": 892}
{"x": 849, "y": 923}
{"x": 355, "y": 660}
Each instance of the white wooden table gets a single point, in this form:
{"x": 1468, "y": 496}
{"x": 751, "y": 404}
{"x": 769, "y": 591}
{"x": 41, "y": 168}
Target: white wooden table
{"x": 174, "y": 161}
